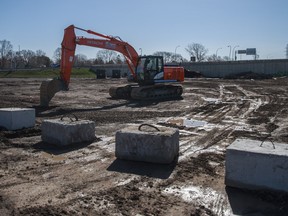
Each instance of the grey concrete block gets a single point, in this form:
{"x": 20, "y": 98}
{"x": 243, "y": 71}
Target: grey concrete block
{"x": 17, "y": 118}
{"x": 251, "y": 166}
{"x": 148, "y": 146}
{"x": 65, "y": 132}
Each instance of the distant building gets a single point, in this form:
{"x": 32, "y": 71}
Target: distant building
{"x": 111, "y": 70}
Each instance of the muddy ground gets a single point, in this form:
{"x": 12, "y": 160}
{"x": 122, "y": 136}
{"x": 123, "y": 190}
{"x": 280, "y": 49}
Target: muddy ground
{"x": 37, "y": 178}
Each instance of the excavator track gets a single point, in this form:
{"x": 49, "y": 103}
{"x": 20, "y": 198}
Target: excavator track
{"x": 150, "y": 92}
{"x": 121, "y": 92}
{"x": 157, "y": 92}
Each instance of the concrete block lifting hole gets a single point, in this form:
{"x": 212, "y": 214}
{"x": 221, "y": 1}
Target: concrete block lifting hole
{"x": 147, "y": 145}
{"x": 254, "y": 166}
{"x": 66, "y": 132}
{"x": 17, "y": 118}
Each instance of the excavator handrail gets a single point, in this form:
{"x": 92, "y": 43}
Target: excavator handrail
{"x": 93, "y": 32}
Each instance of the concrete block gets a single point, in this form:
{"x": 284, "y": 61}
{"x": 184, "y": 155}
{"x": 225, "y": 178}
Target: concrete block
{"x": 66, "y": 132}
{"x": 17, "y": 118}
{"x": 149, "y": 146}
{"x": 251, "y": 166}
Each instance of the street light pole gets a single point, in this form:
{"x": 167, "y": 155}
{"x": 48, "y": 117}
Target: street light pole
{"x": 175, "y": 51}
{"x": 217, "y": 51}
{"x": 235, "y": 52}
{"x": 229, "y": 52}
{"x": 141, "y": 51}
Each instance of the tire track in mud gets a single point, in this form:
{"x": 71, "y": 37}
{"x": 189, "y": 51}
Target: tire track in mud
{"x": 218, "y": 206}
{"x": 231, "y": 112}
{"x": 216, "y": 137}
{"x": 244, "y": 101}
{"x": 266, "y": 108}
{"x": 235, "y": 103}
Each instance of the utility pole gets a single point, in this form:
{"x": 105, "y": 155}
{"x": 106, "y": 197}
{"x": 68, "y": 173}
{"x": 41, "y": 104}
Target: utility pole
{"x": 175, "y": 52}
{"x": 229, "y": 52}
{"x": 235, "y": 52}
{"x": 217, "y": 52}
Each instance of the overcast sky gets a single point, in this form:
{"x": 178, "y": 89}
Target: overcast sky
{"x": 152, "y": 25}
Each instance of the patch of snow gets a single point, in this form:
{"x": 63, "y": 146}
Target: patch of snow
{"x": 207, "y": 197}
{"x": 124, "y": 182}
{"x": 211, "y": 100}
{"x": 193, "y": 123}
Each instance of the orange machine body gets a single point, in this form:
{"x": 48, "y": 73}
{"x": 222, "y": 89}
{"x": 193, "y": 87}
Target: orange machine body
{"x": 174, "y": 73}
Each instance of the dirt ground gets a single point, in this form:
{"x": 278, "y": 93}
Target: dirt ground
{"x": 37, "y": 178}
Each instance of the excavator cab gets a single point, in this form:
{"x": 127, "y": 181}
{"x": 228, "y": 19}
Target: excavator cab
{"x": 149, "y": 69}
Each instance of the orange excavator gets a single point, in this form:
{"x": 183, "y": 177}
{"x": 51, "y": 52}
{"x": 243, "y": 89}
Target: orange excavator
{"x": 152, "y": 79}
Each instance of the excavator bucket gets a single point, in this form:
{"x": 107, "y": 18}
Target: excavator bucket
{"x": 48, "y": 89}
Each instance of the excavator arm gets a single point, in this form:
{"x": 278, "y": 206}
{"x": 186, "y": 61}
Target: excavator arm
{"x": 49, "y": 88}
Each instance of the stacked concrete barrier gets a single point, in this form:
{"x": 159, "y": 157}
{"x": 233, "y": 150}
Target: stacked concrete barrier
{"x": 17, "y": 118}
{"x": 255, "y": 165}
{"x": 65, "y": 132}
{"x": 156, "y": 145}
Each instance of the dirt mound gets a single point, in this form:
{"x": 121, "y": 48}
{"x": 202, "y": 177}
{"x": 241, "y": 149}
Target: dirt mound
{"x": 192, "y": 74}
{"x": 249, "y": 75}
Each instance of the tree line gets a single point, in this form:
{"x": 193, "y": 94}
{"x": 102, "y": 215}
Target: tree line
{"x": 35, "y": 59}
{"x": 21, "y": 58}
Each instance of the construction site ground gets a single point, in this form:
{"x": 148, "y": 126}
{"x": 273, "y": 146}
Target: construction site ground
{"x": 38, "y": 178}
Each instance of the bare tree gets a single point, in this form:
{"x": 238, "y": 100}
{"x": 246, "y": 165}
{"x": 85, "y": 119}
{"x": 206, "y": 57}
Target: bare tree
{"x": 167, "y": 56}
{"x": 170, "y": 56}
{"x": 28, "y": 58}
{"x": 226, "y": 58}
{"x": 80, "y": 60}
{"x": 177, "y": 57}
{"x": 40, "y": 53}
{"x": 214, "y": 58}
{"x": 98, "y": 61}
{"x": 119, "y": 59}
{"x": 107, "y": 56}
{"x": 41, "y": 59}
{"x": 57, "y": 55}
{"x": 18, "y": 60}
{"x": 197, "y": 50}
{"x": 5, "y": 52}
